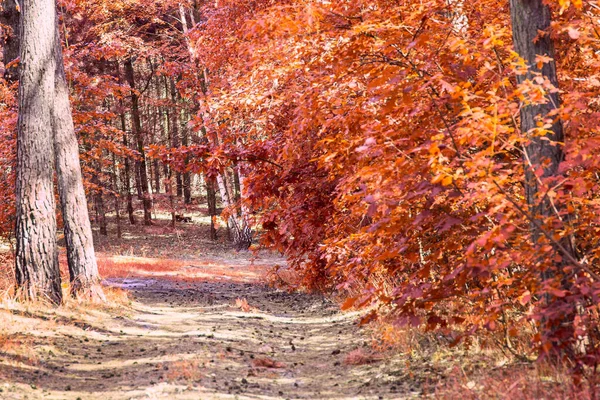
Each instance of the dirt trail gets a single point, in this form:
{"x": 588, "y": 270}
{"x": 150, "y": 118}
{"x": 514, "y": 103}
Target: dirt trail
{"x": 222, "y": 338}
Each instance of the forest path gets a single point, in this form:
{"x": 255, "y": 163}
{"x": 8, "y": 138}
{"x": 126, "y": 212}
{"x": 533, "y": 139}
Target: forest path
{"x": 205, "y": 329}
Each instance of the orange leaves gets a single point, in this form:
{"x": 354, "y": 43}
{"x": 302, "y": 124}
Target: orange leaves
{"x": 565, "y": 4}
{"x": 445, "y": 180}
{"x": 393, "y": 147}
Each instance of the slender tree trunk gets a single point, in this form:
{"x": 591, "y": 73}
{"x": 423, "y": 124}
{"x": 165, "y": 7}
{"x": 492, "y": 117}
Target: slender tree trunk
{"x": 138, "y": 180}
{"x": 175, "y": 138}
{"x": 245, "y": 234}
{"x": 81, "y": 258}
{"x": 237, "y": 185}
{"x": 156, "y": 130}
{"x": 101, "y": 210}
{"x": 137, "y": 130}
{"x": 211, "y": 199}
{"x": 179, "y": 183}
{"x": 156, "y": 169}
{"x": 127, "y": 173}
{"x": 116, "y": 198}
{"x": 168, "y": 170}
{"x": 238, "y": 229}
{"x": 99, "y": 201}
{"x": 36, "y": 258}
{"x": 187, "y": 180}
{"x": 530, "y": 23}
{"x": 225, "y": 202}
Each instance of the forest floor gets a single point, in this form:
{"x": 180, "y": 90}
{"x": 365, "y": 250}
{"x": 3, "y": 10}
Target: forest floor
{"x": 192, "y": 319}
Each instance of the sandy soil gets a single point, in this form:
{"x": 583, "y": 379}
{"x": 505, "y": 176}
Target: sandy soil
{"x": 229, "y": 337}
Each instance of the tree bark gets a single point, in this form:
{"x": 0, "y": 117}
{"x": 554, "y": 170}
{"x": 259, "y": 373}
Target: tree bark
{"x": 239, "y": 230}
{"x": 175, "y": 138}
{"x": 36, "y": 258}
{"x": 168, "y": 171}
{"x": 211, "y": 200}
{"x": 101, "y": 212}
{"x": 138, "y": 180}
{"x": 127, "y": 173}
{"x": 99, "y": 201}
{"x": 137, "y": 131}
{"x": 187, "y": 179}
{"x": 531, "y": 20}
{"x": 116, "y": 198}
{"x": 81, "y": 258}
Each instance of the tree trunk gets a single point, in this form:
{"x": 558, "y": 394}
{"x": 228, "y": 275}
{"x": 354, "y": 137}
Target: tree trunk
{"x": 245, "y": 235}
{"x": 36, "y": 258}
{"x": 175, "y": 139}
{"x": 115, "y": 189}
{"x": 211, "y": 199}
{"x": 156, "y": 130}
{"x": 530, "y": 23}
{"x": 127, "y": 174}
{"x": 138, "y": 180}
{"x": 99, "y": 201}
{"x": 101, "y": 212}
{"x": 81, "y": 258}
{"x": 239, "y": 231}
{"x": 187, "y": 179}
{"x": 137, "y": 131}
{"x": 529, "y": 19}
{"x": 157, "y": 176}
{"x": 168, "y": 170}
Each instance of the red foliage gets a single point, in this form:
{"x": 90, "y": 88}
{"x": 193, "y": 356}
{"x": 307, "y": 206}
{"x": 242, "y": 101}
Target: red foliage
{"x": 395, "y": 170}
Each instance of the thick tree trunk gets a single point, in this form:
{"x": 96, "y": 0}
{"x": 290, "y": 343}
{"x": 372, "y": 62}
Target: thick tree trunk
{"x": 530, "y": 18}
{"x": 81, "y": 258}
{"x": 36, "y": 258}
{"x": 530, "y": 23}
{"x": 137, "y": 131}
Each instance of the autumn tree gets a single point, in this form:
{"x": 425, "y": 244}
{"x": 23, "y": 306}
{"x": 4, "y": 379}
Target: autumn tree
{"x": 37, "y": 270}
{"x": 395, "y": 157}
{"x": 81, "y": 258}
{"x": 543, "y": 152}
